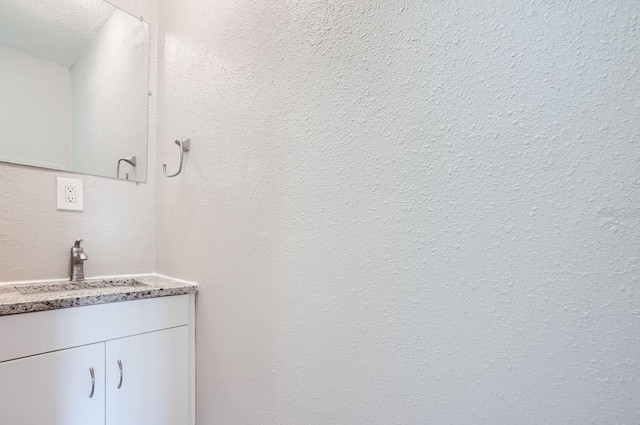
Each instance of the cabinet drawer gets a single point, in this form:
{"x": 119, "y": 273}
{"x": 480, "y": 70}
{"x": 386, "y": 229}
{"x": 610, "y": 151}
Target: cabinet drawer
{"x": 33, "y": 333}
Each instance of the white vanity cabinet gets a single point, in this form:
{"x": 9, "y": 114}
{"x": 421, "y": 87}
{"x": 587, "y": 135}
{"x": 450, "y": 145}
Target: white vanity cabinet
{"x": 148, "y": 378}
{"x": 126, "y": 363}
{"x": 54, "y": 388}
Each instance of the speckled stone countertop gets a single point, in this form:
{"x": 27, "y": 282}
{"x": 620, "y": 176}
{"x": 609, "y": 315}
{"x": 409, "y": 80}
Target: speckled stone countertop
{"x": 27, "y": 297}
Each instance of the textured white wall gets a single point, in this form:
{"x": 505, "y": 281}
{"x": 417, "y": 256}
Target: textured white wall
{"x": 394, "y": 208}
{"x": 118, "y": 223}
{"x": 110, "y": 84}
{"x": 35, "y": 110}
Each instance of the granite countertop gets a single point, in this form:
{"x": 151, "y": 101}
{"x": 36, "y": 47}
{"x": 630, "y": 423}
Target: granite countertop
{"x": 27, "y": 297}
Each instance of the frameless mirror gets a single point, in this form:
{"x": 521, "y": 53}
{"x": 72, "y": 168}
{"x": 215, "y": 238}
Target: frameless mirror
{"x": 74, "y": 87}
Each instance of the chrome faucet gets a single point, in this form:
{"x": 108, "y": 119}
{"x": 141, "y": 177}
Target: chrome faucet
{"x": 78, "y": 257}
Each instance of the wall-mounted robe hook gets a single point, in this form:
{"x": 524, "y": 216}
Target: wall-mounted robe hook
{"x": 185, "y": 145}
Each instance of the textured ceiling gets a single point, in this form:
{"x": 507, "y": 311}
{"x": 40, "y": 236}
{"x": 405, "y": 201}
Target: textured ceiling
{"x": 55, "y": 30}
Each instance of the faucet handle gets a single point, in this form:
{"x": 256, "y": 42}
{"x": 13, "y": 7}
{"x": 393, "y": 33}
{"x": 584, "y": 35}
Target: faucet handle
{"x": 77, "y": 244}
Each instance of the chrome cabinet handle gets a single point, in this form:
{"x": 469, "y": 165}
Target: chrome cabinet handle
{"x": 93, "y": 381}
{"x": 121, "y": 373}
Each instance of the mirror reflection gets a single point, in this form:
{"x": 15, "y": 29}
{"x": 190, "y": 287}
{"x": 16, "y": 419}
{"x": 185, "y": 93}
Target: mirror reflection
{"x": 74, "y": 87}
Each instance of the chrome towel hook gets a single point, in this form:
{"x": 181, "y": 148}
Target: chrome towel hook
{"x": 185, "y": 146}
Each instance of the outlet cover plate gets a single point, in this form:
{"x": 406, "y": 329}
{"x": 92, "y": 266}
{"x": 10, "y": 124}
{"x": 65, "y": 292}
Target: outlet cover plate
{"x": 69, "y": 194}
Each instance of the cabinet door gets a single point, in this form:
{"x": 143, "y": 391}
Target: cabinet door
{"x": 154, "y": 389}
{"x": 54, "y": 388}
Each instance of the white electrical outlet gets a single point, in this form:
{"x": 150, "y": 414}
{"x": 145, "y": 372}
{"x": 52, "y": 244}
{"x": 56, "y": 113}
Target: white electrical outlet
{"x": 69, "y": 194}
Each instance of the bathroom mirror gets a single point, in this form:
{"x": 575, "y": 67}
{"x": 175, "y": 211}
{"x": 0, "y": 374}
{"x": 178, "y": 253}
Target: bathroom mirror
{"x": 74, "y": 87}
